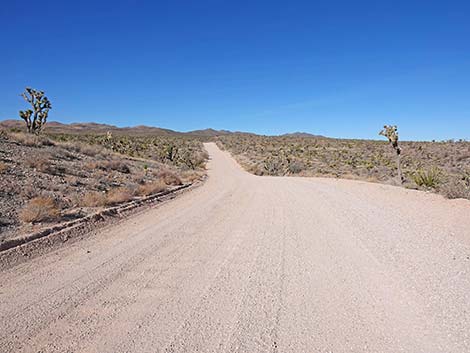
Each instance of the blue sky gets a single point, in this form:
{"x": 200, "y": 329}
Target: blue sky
{"x": 337, "y": 68}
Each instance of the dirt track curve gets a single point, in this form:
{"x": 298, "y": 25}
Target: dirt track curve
{"x": 255, "y": 264}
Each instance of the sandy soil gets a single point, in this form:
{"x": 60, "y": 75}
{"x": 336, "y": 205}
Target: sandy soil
{"x": 255, "y": 264}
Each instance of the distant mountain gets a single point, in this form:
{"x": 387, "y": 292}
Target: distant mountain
{"x": 208, "y": 132}
{"x": 55, "y": 127}
{"x": 301, "y": 134}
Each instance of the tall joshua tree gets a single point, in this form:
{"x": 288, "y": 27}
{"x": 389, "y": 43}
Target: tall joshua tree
{"x": 391, "y": 133}
{"x": 35, "y": 118}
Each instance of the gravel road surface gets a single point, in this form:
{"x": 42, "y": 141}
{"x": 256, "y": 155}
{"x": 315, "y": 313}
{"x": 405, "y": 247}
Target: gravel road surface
{"x": 255, "y": 264}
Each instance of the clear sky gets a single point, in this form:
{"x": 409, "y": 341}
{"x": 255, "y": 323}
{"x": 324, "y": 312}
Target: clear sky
{"x": 337, "y": 68}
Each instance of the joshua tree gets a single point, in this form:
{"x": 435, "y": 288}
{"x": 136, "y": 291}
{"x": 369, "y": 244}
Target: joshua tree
{"x": 36, "y": 118}
{"x": 391, "y": 133}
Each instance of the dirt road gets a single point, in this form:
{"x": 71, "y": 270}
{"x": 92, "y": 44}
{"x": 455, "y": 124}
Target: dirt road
{"x": 255, "y": 264}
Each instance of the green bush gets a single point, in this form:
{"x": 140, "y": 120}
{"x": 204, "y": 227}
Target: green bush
{"x": 430, "y": 178}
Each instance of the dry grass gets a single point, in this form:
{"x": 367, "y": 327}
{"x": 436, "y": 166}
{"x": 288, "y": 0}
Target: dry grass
{"x": 39, "y": 163}
{"x": 116, "y": 165}
{"x": 39, "y": 209}
{"x": 93, "y": 199}
{"x": 86, "y": 149}
{"x": 43, "y": 164}
{"x": 3, "y": 167}
{"x": 191, "y": 176}
{"x": 30, "y": 139}
{"x": 119, "y": 195}
{"x": 168, "y": 177}
{"x": 152, "y": 188}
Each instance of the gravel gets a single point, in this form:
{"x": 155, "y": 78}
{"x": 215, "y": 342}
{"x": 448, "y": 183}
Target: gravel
{"x": 255, "y": 264}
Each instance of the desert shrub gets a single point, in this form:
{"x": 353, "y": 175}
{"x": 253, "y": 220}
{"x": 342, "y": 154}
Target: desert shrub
{"x": 3, "y": 167}
{"x": 93, "y": 199}
{"x": 91, "y": 166}
{"x": 193, "y": 159}
{"x": 73, "y": 181}
{"x": 118, "y": 166}
{"x": 430, "y": 178}
{"x": 84, "y": 148}
{"x": 190, "y": 176}
{"x": 118, "y": 195}
{"x": 295, "y": 167}
{"x": 455, "y": 189}
{"x": 255, "y": 169}
{"x": 272, "y": 166}
{"x": 169, "y": 177}
{"x": 39, "y": 209}
{"x": 107, "y": 166}
{"x": 30, "y": 139}
{"x": 28, "y": 191}
{"x": 151, "y": 188}
{"x": 465, "y": 178}
{"x": 139, "y": 178}
{"x": 91, "y": 150}
{"x": 43, "y": 164}
{"x": 40, "y": 163}
{"x": 180, "y": 152}
{"x": 69, "y": 146}
{"x": 63, "y": 154}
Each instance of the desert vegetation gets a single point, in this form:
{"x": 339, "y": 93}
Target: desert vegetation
{"x": 55, "y": 177}
{"x": 36, "y": 117}
{"x": 443, "y": 167}
{"x": 391, "y": 133}
{"x": 182, "y": 152}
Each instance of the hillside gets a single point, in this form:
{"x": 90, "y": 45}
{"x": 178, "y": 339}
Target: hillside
{"x": 54, "y": 127}
{"x": 45, "y": 180}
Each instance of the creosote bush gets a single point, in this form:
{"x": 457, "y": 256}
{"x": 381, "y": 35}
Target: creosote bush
{"x": 39, "y": 209}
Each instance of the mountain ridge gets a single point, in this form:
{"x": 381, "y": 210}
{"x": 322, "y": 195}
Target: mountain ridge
{"x": 138, "y": 130}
